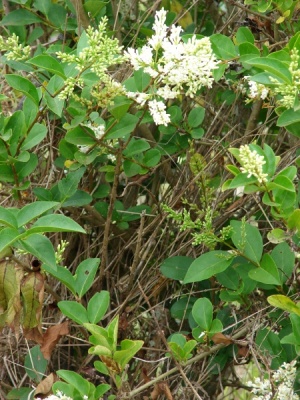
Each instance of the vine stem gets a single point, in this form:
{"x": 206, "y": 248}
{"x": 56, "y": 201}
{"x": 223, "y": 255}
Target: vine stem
{"x": 198, "y": 357}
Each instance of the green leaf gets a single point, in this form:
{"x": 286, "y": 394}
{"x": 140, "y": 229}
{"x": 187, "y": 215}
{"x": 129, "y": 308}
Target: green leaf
{"x": 123, "y": 128}
{"x": 229, "y": 278}
{"x": 151, "y": 158}
{"x": 136, "y": 146}
{"x": 283, "y": 183}
{"x": 63, "y": 275}
{"x": 293, "y": 221}
{"x": 55, "y": 223}
{"x": 48, "y": 63}
{"x": 247, "y": 52}
{"x": 80, "y": 198}
{"x": 51, "y": 99}
{"x": 24, "y": 169}
{"x": 68, "y": 185}
{"x": 242, "y": 180}
{"x": 103, "y": 387}
{"x": 223, "y": 47}
{"x": 277, "y": 68}
{"x": 41, "y": 247}
{"x": 36, "y": 135}
{"x": 216, "y": 327}
{"x": 202, "y": 312}
{"x": 20, "y": 17}
{"x": 289, "y": 117}
{"x": 73, "y": 310}
{"x": 35, "y": 364}
{"x": 85, "y": 274}
{"x": 23, "y": 85}
{"x": 284, "y": 303}
{"x": 33, "y": 210}
{"x": 243, "y": 35}
{"x": 284, "y": 258}
{"x": 128, "y": 349}
{"x": 7, "y": 237}
{"x": 93, "y": 7}
{"x": 7, "y": 218}
{"x": 131, "y": 168}
{"x": 247, "y": 240}
{"x": 267, "y": 272}
{"x": 80, "y": 136}
{"x": 196, "y": 117}
{"x": 120, "y": 107}
{"x": 74, "y": 379}
{"x": 176, "y": 267}
{"x": 207, "y": 265}
{"x": 97, "y": 306}
{"x": 141, "y": 79}
{"x": 295, "y": 320}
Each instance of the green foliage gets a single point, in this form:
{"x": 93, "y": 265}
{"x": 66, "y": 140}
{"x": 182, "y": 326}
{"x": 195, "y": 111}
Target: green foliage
{"x": 129, "y": 146}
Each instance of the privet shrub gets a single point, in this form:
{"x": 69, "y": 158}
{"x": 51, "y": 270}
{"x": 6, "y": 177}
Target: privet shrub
{"x": 149, "y": 199}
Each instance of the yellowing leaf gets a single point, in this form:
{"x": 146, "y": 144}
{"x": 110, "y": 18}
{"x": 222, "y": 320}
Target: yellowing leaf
{"x": 32, "y": 289}
{"x": 186, "y": 18}
{"x": 284, "y": 302}
{"x": 280, "y": 20}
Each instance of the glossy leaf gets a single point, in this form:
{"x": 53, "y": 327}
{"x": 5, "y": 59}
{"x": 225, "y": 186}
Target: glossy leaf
{"x": 73, "y": 310}
{"x": 48, "y": 63}
{"x": 20, "y": 17}
{"x": 267, "y": 272}
{"x": 275, "y": 67}
{"x": 76, "y": 380}
{"x": 196, "y": 117}
{"x": 34, "y": 210}
{"x": 55, "y": 223}
{"x": 247, "y": 240}
{"x": 176, "y": 267}
{"x": 23, "y": 85}
{"x": 202, "y": 312}
{"x": 36, "y": 135}
{"x": 207, "y": 265}
{"x": 41, "y": 247}
{"x": 223, "y": 47}
{"x": 7, "y": 218}
{"x": 85, "y": 274}
{"x": 97, "y": 306}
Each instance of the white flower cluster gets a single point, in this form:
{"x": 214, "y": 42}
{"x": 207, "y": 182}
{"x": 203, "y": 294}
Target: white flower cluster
{"x": 101, "y": 53}
{"x": 59, "y": 396}
{"x": 289, "y": 93}
{"x": 14, "y": 50}
{"x": 283, "y": 381}
{"x": 257, "y": 90}
{"x": 252, "y": 163}
{"x": 175, "y": 66}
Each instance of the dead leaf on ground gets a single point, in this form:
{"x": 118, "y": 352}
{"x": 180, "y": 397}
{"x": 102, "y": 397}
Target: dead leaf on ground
{"x": 52, "y": 336}
{"x": 44, "y": 387}
{"x": 34, "y": 334}
{"x": 219, "y": 338}
{"x": 161, "y": 388}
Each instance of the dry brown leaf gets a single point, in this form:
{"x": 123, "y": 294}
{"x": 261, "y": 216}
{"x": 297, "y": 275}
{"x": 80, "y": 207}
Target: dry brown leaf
{"x": 44, "y": 387}
{"x": 52, "y": 336}
{"x": 34, "y": 334}
{"x": 161, "y": 388}
{"x": 220, "y": 338}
